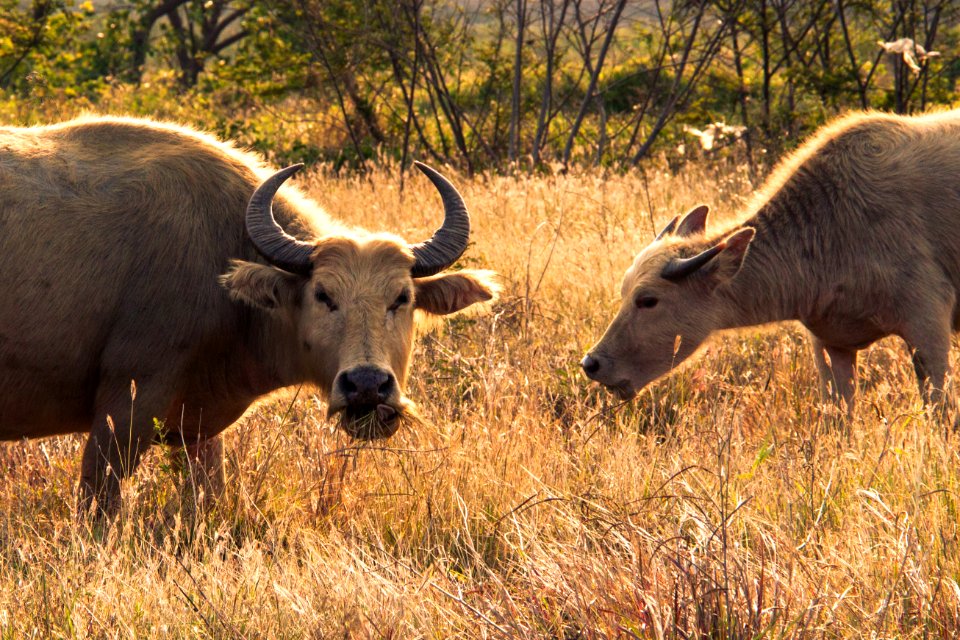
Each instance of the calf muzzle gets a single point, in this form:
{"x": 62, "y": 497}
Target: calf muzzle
{"x": 590, "y": 365}
{"x": 599, "y": 369}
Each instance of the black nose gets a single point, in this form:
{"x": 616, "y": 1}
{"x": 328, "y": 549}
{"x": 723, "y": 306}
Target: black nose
{"x": 366, "y": 385}
{"x": 590, "y": 365}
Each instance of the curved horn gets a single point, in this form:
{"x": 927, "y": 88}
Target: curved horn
{"x": 450, "y": 240}
{"x": 276, "y": 245}
{"x": 667, "y": 230}
{"x": 682, "y": 267}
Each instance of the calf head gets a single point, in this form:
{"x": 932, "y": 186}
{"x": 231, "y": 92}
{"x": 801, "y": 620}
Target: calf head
{"x": 669, "y": 304}
{"x": 350, "y": 302}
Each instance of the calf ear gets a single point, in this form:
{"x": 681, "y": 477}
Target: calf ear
{"x": 448, "y": 293}
{"x": 261, "y": 285}
{"x": 728, "y": 262}
{"x": 695, "y": 222}
{"x": 719, "y": 263}
{"x": 667, "y": 230}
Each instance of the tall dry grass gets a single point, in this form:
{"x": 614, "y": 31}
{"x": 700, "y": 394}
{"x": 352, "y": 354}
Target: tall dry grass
{"x": 723, "y": 502}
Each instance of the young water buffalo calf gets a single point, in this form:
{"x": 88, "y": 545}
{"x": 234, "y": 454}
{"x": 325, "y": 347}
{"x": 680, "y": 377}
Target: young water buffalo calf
{"x": 857, "y": 236}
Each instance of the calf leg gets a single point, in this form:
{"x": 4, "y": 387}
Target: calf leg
{"x": 837, "y": 367}
{"x": 824, "y": 374}
{"x": 928, "y": 335}
{"x": 931, "y": 348}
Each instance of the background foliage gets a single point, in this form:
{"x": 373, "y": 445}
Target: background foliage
{"x": 478, "y": 84}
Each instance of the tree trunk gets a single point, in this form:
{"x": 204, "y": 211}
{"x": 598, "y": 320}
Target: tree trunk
{"x": 551, "y": 31}
{"x": 140, "y": 36}
{"x": 514, "y": 145}
{"x": 594, "y": 80}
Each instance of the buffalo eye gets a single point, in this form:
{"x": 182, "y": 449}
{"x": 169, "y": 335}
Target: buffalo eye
{"x": 401, "y": 300}
{"x": 323, "y": 298}
{"x": 646, "y": 302}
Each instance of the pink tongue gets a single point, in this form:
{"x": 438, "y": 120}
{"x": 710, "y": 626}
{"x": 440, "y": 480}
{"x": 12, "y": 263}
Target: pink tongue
{"x": 386, "y": 413}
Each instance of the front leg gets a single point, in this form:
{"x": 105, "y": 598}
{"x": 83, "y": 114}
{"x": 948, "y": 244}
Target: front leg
{"x": 205, "y": 477}
{"x": 122, "y": 430}
{"x": 929, "y": 340}
{"x": 837, "y": 367}
{"x": 201, "y": 444}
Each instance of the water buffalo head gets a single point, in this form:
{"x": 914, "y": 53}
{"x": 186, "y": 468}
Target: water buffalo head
{"x": 669, "y": 304}
{"x": 349, "y": 301}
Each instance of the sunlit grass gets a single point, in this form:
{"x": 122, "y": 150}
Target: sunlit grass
{"x": 723, "y": 502}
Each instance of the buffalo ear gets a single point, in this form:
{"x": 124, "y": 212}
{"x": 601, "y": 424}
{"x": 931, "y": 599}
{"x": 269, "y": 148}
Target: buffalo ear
{"x": 694, "y": 223}
{"x": 451, "y": 292}
{"x": 261, "y": 286}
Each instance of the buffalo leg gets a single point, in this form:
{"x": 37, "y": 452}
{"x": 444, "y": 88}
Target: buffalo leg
{"x": 122, "y": 431}
{"x": 930, "y": 367}
{"x": 837, "y": 367}
{"x": 204, "y": 453}
{"x": 204, "y": 460}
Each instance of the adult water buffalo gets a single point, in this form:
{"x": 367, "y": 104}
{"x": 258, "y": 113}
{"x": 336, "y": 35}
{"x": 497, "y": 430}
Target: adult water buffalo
{"x": 857, "y": 236}
{"x": 132, "y": 250}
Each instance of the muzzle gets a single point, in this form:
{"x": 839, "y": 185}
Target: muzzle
{"x": 370, "y": 402}
{"x": 596, "y": 369}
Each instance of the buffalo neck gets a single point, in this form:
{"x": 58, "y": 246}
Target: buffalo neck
{"x": 237, "y": 363}
{"x": 272, "y": 359}
{"x": 266, "y": 357}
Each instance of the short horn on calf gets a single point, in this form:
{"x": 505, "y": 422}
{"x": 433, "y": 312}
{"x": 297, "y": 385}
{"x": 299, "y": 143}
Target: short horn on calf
{"x": 682, "y": 267}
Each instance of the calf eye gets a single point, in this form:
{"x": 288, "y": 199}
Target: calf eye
{"x": 323, "y": 298}
{"x": 401, "y": 300}
{"x": 646, "y": 302}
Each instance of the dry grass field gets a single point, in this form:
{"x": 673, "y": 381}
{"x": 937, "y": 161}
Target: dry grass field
{"x": 724, "y": 502}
